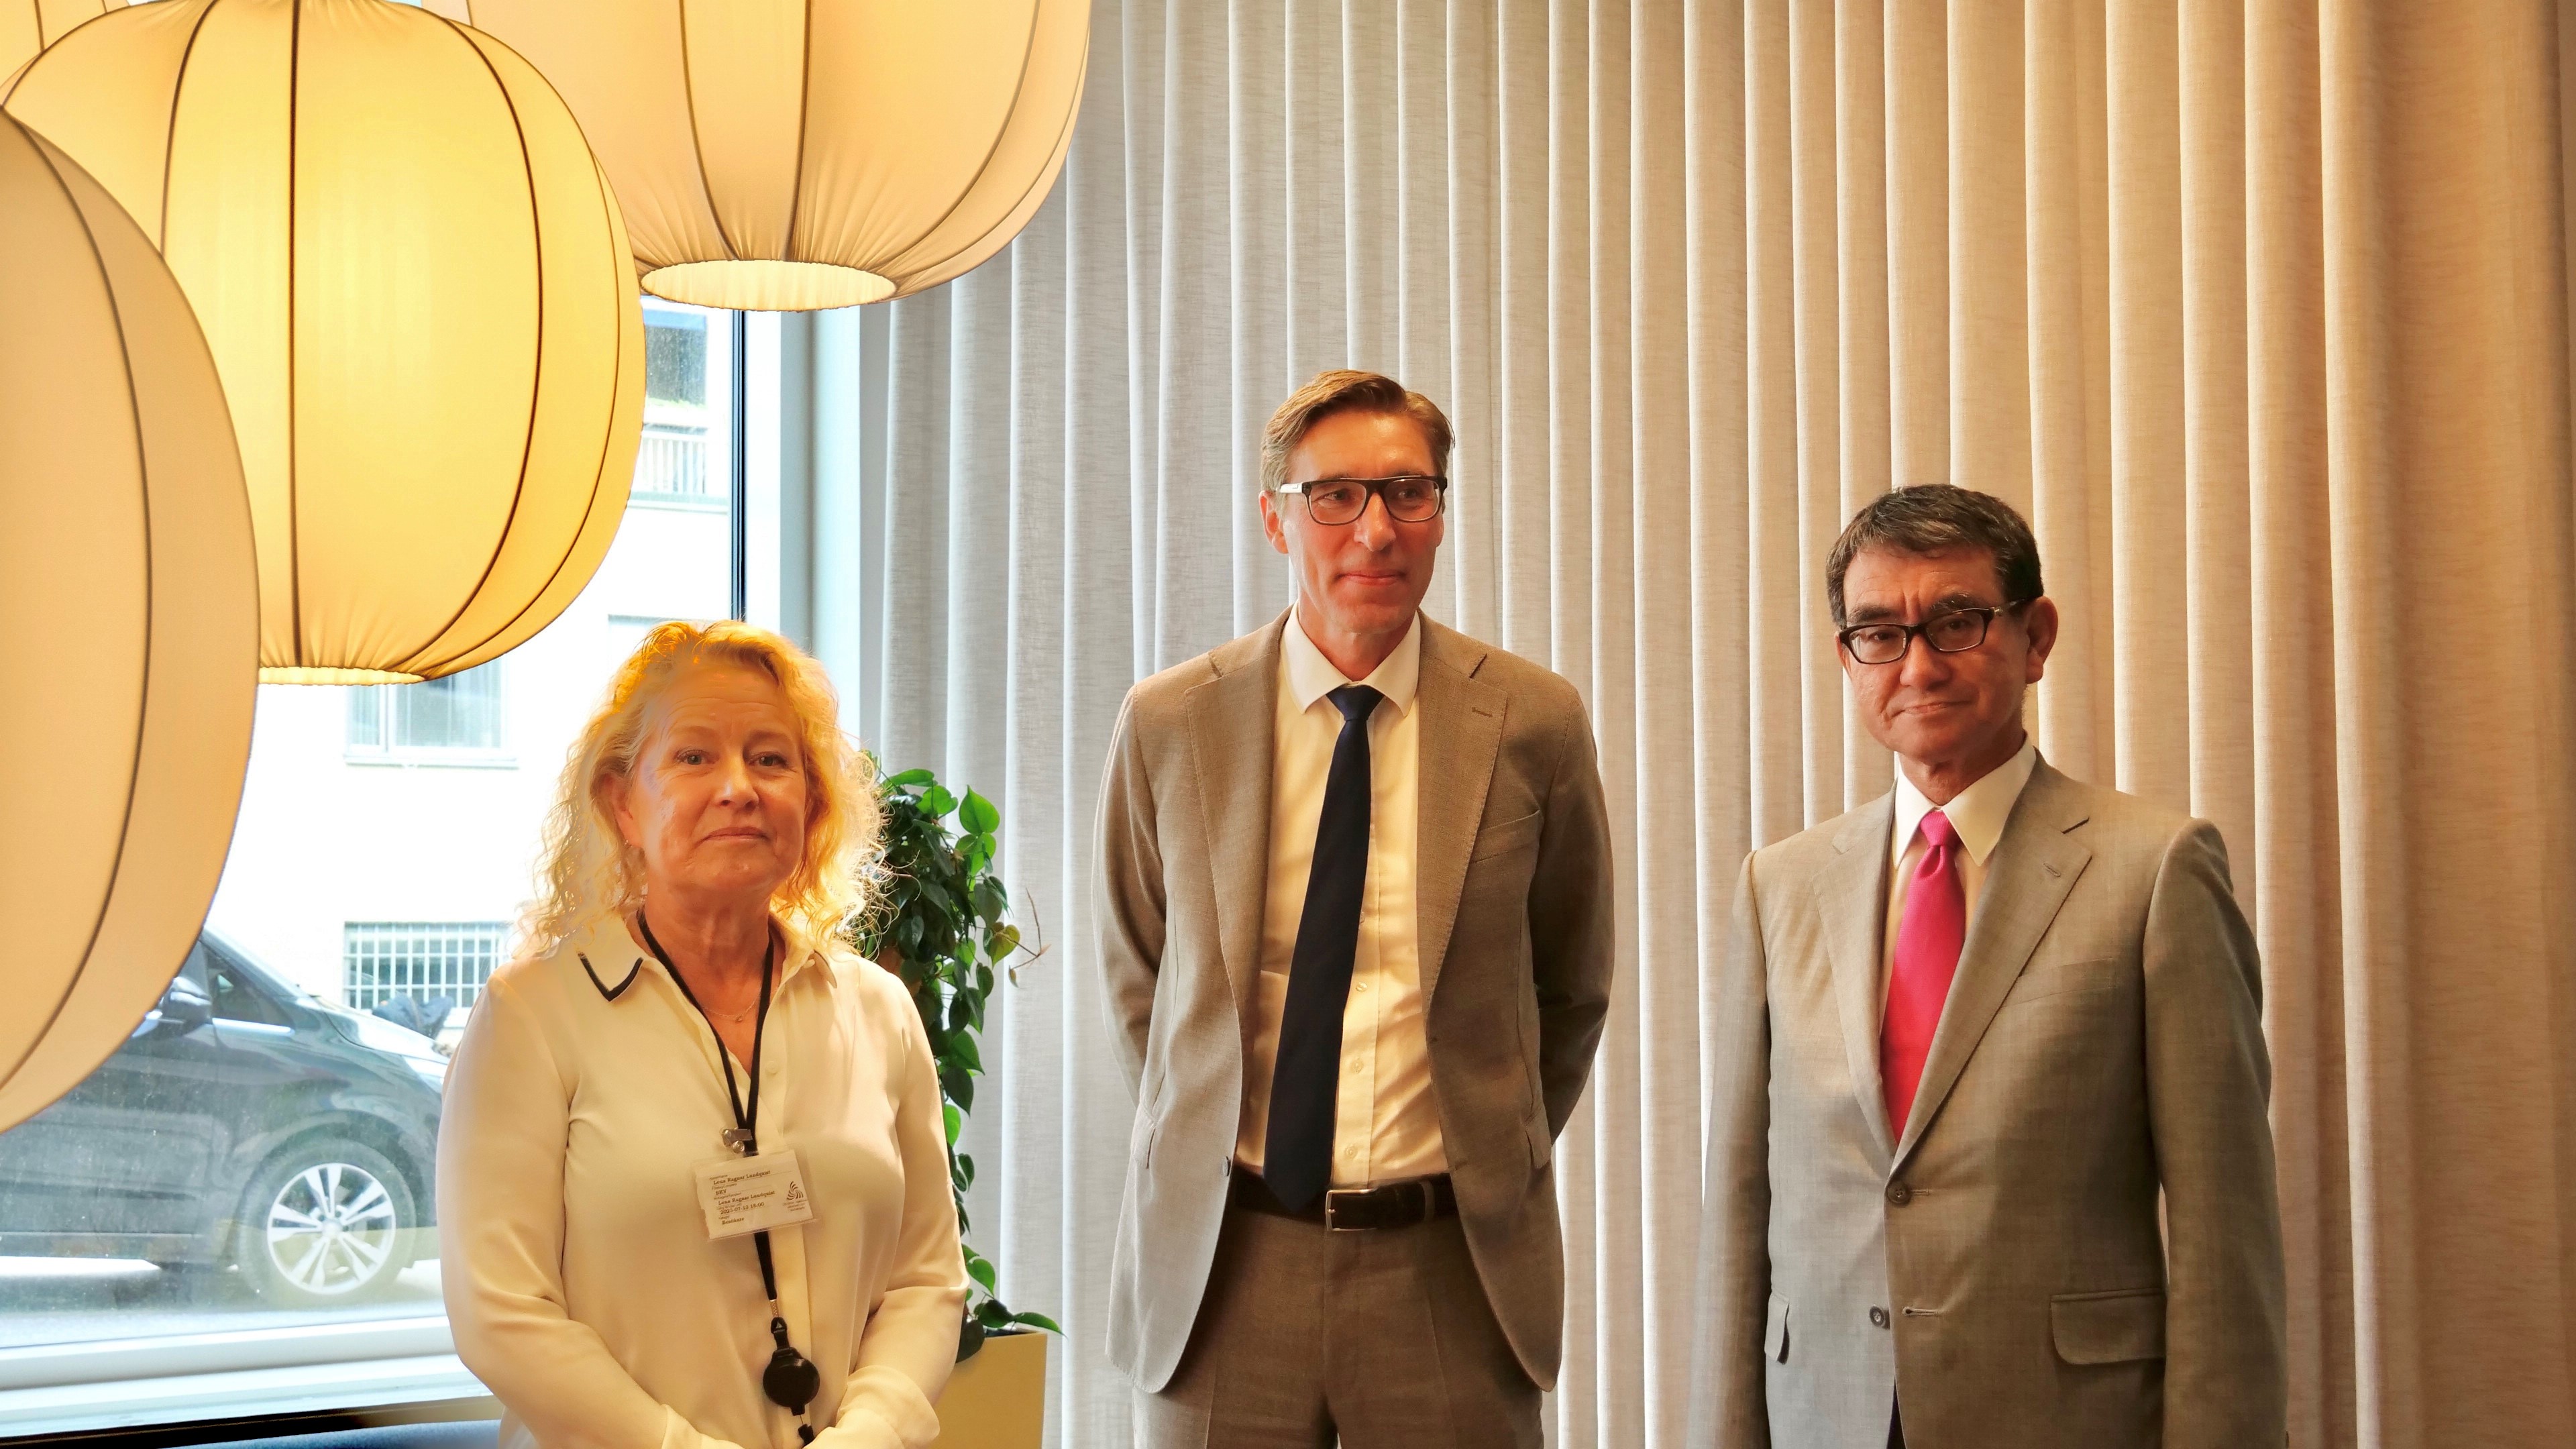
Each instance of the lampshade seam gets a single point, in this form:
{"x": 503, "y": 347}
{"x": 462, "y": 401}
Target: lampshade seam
{"x": 697, "y": 148}
{"x": 143, "y": 705}
{"x": 804, "y": 104}
{"x": 170, "y": 133}
{"x": 1028, "y": 55}
{"x": 1044, "y": 178}
{"x": 294, "y": 457}
{"x": 537, "y": 369}
{"x": 599, "y": 474}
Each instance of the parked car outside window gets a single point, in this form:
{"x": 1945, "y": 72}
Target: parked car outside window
{"x": 244, "y": 1126}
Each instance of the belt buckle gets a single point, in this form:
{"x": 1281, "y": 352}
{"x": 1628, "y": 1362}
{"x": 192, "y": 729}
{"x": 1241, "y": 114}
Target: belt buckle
{"x": 1419, "y": 1185}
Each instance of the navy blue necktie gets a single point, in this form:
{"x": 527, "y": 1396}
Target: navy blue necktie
{"x": 1297, "y": 1157}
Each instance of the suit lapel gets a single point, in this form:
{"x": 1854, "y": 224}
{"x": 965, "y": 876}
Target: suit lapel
{"x": 2033, "y": 867}
{"x": 1460, "y": 736}
{"x": 1851, "y": 901}
{"x": 1231, "y": 720}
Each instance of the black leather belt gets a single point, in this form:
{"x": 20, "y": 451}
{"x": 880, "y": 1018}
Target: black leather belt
{"x": 1353, "y": 1209}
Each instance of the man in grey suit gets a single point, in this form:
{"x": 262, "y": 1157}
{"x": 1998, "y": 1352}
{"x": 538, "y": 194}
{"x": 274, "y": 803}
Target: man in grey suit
{"x": 1968, "y": 1033}
{"x": 1354, "y": 913}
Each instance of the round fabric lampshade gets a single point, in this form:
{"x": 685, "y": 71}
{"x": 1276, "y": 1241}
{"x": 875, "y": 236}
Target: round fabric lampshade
{"x": 28, "y": 26}
{"x": 417, "y": 289}
{"x": 132, "y": 602}
{"x": 784, "y": 155}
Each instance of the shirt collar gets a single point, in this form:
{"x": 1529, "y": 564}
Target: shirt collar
{"x": 1309, "y": 676}
{"x": 1977, "y": 813}
{"x": 612, "y": 956}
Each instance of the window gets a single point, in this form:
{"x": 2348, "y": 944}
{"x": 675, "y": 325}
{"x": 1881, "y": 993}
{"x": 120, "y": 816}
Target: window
{"x": 678, "y": 464}
{"x": 422, "y": 961}
{"x": 457, "y": 715}
{"x": 152, "y": 1269}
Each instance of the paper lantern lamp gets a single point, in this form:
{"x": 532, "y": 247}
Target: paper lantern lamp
{"x": 131, "y": 595}
{"x": 786, "y": 155}
{"x": 28, "y": 26}
{"x": 417, "y": 289}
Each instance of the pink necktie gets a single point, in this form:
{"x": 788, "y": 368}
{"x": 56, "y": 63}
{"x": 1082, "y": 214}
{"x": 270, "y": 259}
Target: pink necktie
{"x": 1928, "y": 937}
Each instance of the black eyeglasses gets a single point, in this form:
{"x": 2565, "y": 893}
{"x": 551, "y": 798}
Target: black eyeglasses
{"x": 1952, "y": 631}
{"x": 1336, "y": 501}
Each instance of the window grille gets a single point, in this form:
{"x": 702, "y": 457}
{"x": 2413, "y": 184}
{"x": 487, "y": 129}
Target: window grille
{"x": 461, "y": 712}
{"x": 420, "y": 960}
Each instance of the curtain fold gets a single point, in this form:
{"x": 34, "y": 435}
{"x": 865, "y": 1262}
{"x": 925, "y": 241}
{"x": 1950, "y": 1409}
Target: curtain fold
{"x": 2259, "y": 309}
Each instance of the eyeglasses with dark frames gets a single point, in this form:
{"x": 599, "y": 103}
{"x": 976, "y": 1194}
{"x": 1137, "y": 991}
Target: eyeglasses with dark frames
{"x": 1952, "y": 631}
{"x": 1409, "y": 498}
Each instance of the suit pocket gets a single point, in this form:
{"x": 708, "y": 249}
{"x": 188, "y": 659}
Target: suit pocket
{"x": 1511, "y": 835}
{"x": 1775, "y": 1330}
{"x": 2068, "y": 977}
{"x": 2120, "y": 1326}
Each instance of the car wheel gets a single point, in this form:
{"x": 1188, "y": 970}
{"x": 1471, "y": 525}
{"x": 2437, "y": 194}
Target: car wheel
{"x": 325, "y": 1223}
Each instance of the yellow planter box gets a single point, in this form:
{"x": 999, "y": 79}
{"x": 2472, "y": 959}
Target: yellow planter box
{"x": 997, "y": 1399}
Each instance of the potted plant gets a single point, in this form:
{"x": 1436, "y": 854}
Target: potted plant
{"x": 941, "y": 922}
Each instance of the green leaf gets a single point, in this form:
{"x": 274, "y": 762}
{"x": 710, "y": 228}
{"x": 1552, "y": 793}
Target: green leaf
{"x": 1003, "y": 942}
{"x": 966, "y": 1165}
{"x": 910, "y": 778}
{"x": 992, "y": 1314}
{"x": 970, "y": 1339}
{"x": 978, "y": 815}
{"x": 984, "y": 978}
{"x": 960, "y": 1088}
{"x": 956, "y": 1121}
{"x": 989, "y": 902}
{"x": 1038, "y": 1320}
{"x": 962, "y": 1048}
{"x": 936, "y": 802}
{"x": 981, "y": 1272}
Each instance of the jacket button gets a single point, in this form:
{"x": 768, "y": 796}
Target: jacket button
{"x": 1878, "y": 1318}
{"x": 1899, "y": 1194}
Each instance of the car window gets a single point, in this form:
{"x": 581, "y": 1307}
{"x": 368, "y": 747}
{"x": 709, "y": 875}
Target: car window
{"x": 236, "y": 999}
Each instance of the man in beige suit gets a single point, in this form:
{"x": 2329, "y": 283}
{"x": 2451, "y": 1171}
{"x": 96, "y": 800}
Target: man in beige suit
{"x": 1970, "y": 1035}
{"x": 1354, "y": 912}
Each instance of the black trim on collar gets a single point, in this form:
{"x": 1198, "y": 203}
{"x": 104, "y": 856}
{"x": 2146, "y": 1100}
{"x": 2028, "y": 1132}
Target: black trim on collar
{"x": 607, "y": 991}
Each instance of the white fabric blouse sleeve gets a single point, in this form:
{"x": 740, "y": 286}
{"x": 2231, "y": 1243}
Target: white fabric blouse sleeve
{"x": 501, "y": 1144}
{"x": 910, "y": 1343}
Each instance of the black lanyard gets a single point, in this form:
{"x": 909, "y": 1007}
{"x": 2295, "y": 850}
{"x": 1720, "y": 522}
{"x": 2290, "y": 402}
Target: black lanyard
{"x": 791, "y": 1380}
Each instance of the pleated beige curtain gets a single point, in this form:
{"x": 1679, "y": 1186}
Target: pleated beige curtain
{"x": 2260, "y": 309}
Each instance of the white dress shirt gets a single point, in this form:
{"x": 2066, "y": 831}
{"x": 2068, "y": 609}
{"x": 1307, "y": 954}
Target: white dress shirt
{"x": 1977, "y": 813}
{"x": 1386, "y": 1121}
{"x": 581, "y": 1284}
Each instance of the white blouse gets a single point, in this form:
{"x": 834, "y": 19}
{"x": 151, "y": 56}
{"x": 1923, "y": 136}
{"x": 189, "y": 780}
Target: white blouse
{"x": 581, "y": 1284}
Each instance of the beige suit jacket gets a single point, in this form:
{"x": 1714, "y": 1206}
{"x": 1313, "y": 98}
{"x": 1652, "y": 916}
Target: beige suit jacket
{"x": 1515, "y": 929}
{"x": 1996, "y": 1260}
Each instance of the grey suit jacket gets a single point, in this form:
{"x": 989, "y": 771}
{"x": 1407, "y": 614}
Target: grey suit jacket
{"x": 1996, "y": 1260}
{"x": 1514, "y": 922}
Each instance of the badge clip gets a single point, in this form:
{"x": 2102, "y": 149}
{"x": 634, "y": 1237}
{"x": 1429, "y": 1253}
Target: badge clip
{"x": 738, "y": 1139}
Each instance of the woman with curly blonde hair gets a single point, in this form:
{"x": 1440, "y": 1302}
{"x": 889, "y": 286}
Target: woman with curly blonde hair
{"x": 692, "y": 1171}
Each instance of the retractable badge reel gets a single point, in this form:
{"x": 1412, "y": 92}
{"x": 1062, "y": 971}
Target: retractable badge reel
{"x": 790, "y": 1381}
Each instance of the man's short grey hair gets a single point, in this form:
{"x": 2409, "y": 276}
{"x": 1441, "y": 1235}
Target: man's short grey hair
{"x": 1929, "y": 518}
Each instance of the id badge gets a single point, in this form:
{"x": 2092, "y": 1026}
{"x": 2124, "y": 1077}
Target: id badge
{"x": 747, "y": 1194}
